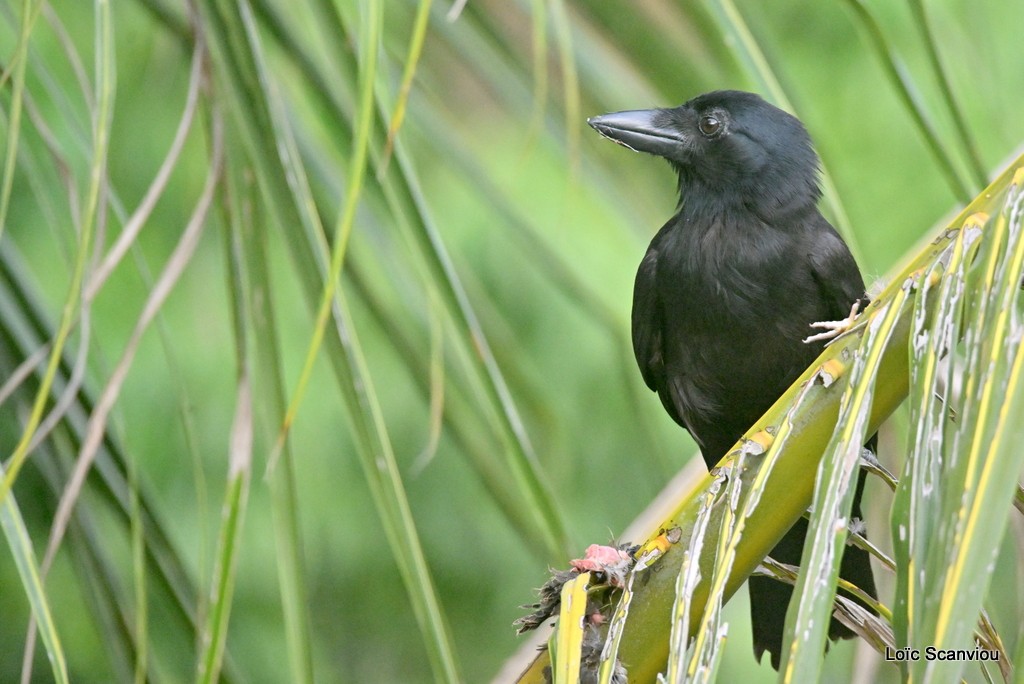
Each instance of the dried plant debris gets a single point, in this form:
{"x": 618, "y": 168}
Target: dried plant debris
{"x": 550, "y": 598}
{"x": 608, "y": 565}
{"x": 612, "y": 569}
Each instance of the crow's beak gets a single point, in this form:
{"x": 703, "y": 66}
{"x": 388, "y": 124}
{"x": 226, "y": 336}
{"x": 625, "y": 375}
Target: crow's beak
{"x": 640, "y": 130}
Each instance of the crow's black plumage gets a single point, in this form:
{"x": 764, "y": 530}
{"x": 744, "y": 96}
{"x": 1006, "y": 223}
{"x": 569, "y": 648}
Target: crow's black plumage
{"x": 729, "y": 286}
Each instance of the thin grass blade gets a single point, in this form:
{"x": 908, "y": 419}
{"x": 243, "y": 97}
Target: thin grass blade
{"x": 23, "y": 554}
{"x": 902, "y": 83}
{"x": 214, "y": 635}
{"x": 90, "y": 216}
{"x": 967, "y": 142}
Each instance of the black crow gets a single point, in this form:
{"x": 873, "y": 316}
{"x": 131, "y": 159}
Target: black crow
{"x": 727, "y": 293}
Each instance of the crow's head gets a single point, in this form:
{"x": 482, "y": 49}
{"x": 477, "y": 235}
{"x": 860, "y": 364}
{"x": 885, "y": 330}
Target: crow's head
{"x": 729, "y": 144}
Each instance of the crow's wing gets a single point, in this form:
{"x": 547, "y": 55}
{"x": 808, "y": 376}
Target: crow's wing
{"x": 648, "y": 323}
{"x": 835, "y": 271}
{"x": 648, "y": 333}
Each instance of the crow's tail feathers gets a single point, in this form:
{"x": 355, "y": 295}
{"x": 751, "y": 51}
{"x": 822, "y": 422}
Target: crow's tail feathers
{"x": 769, "y": 598}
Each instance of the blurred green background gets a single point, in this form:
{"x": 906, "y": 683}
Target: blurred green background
{"x": 544, "y": 224}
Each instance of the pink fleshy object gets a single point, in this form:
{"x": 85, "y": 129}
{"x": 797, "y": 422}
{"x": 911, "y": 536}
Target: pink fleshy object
{"x": 599, "y": 558}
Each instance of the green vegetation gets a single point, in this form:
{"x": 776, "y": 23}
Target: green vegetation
{"x": 314, "y": 319}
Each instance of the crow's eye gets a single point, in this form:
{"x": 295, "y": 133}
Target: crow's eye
{"x": 709, "y": 125}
